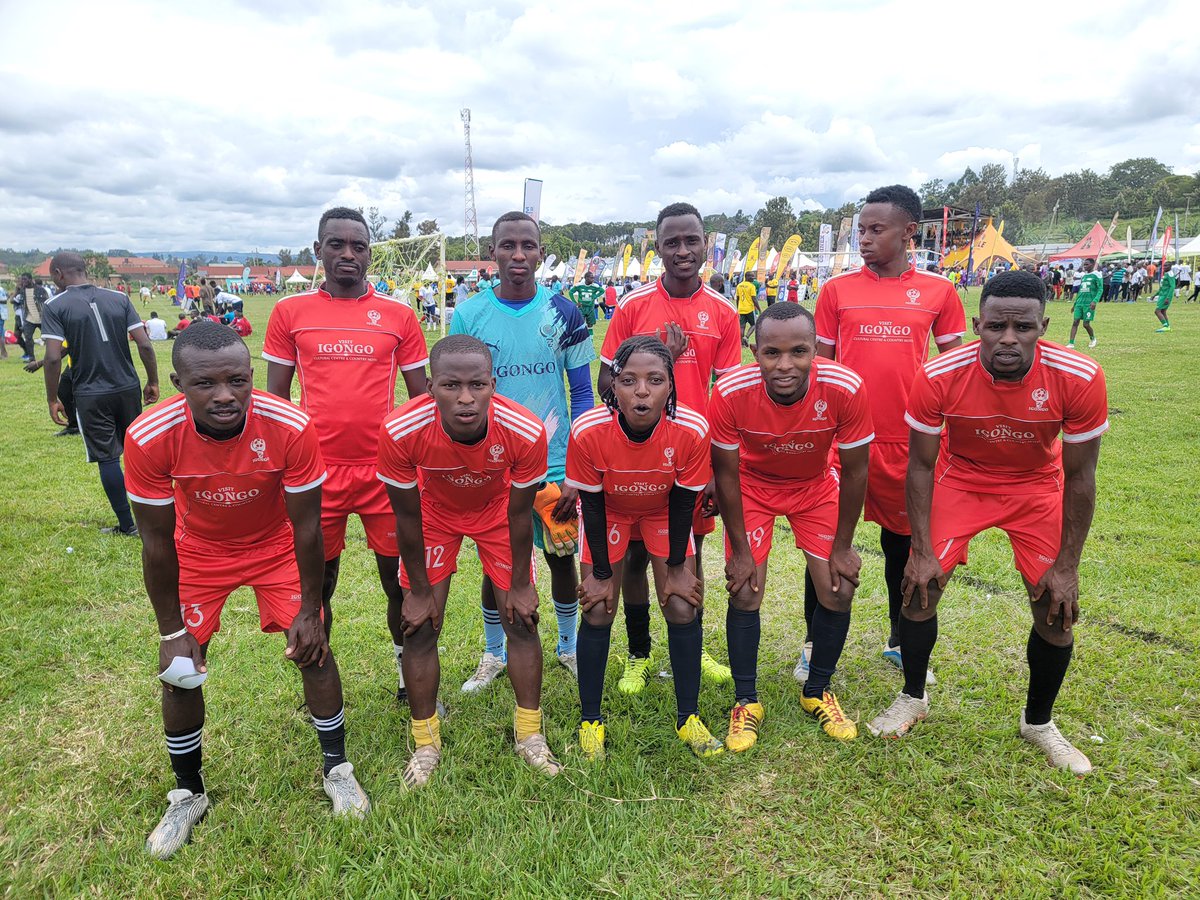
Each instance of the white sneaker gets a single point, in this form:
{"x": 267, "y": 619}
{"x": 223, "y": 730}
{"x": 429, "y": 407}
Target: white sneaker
{"x": 536, "y": 752}
{"x": 800, "y": 673}
{"x": 1092, "y": 342}
{"x": 897, "y": 719}
{"x": 1060, "y": 752}
{"x": 174, "y": 829}
{"x": 570, "y": 661}
{"x": 420, "y": 766}
{"x": 349, "y": 799}
{"x": 489, "y": 668}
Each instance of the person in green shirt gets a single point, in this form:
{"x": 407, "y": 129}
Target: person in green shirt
{"x": 586, "y": 296}
{"x": 1091, "y": 288}
{"x": 1166, "y": 293}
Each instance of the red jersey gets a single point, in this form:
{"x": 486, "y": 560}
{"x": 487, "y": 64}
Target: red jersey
{"x": 228, "y": 495}
{"x": 880, "y": 328}
{"x": 708, "y": 320}
{"x": 637, "y": 478}
{"x": 346, "y": 354}
{"x": 1002, "y": 436}
{"x": 783, "y": 445}
{"x": 462, "y": 479}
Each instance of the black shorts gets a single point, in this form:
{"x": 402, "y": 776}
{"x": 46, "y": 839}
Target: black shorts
{"x": 103, "y": 419}
{"x": 747, "y": 318}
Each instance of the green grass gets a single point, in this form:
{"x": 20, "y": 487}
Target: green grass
{"x": 962, "y": 807}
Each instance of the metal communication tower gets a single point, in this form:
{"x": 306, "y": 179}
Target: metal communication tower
{"x": 471, "y": 233}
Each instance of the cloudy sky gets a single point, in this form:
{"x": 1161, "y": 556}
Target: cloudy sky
{"x": 226, "y": 125}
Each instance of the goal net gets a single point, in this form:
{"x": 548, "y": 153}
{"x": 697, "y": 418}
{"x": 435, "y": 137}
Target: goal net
{"x": 405, "y": 264}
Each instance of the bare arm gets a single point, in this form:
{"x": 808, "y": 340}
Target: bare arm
{"x": 1061, "y": 580}
{"x": 51, "y": 368}
{"x": 844, "y": 561}
{"x": 279, "y": 380}
{"x": 149, "y": 363}
{"x": 520, "y": 601}
{"x": 419, "y": 604}
{"x": 160, "y": 572}
{"x": 922, "y": 566}
{"x": 740, "y": 568}
{"x": 415, "y": 382}
{"x": 307, "y": 643}
{"x": 604, "y": 379}
{"x": 948, "y": 345}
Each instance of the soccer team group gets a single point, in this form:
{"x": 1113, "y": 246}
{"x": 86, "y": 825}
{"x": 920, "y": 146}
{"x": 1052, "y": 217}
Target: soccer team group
{"x": 504, "y": 444}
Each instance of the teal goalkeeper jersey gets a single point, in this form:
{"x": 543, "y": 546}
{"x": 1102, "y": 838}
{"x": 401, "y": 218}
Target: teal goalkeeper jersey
{"x": 533, "y": 348}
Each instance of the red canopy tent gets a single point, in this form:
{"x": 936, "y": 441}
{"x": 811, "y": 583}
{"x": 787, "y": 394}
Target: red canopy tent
{"x": 1096, "y": 243}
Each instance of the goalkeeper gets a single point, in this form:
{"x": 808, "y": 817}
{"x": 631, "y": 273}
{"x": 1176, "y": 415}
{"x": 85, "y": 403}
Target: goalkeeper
{"x": 536, "y": 337}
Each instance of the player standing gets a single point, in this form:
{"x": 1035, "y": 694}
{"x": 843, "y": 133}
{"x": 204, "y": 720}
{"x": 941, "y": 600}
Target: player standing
{"x": 1003, "y": 401}
{"x": 346, "y": 342}
{"x": 225, "y": 472}
{"x": 94, "y": 322}
{"x": 878, "y": 321}
{"x": 700, "y": 329}
{"x": 747, "y": 306}
{"x": 460, "y": 462}
{"x": 586, "y": 296}
{"x": 640, "y": 462}
{"x": 1166, "y": 293}
{"x": 773, "y": 425}
{"x": 1091, "y": 289}
{"x": 535, "y": 337}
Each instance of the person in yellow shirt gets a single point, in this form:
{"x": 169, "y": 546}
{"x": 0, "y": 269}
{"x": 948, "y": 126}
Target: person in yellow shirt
{"x": 747, "y": 305}
{"x": 772, "y": 289}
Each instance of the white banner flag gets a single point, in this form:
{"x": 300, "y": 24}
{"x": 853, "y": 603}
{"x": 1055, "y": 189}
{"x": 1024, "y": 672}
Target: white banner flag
{"x": 533, "y": 198}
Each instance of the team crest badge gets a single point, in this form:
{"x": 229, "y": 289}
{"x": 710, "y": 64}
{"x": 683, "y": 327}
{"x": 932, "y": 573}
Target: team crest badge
{"x": 495, "y": 452}
{"x": 820, "y": 406}
{"x": 373, "y": 316}
{"x": 669, "y": 456}
{"x": 702, "y": 319}
{"x": 259, "y": 447}
{"x": 913, "y": 295}
{"x": 1039, "y": 397}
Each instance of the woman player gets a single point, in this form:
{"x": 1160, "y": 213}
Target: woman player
{"x": 639, "y": 462}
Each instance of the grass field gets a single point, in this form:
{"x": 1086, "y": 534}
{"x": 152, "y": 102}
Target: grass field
{"x": 962, "y": 807}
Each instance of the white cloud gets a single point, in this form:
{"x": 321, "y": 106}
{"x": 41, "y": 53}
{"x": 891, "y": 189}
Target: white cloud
{"x": 230, "y": 125}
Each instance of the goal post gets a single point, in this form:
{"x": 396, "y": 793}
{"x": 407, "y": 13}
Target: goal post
{"x": 405, "y": 262}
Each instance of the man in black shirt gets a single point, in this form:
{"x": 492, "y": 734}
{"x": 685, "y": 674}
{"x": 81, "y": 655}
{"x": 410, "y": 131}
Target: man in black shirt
{"x": 94, "y": 322}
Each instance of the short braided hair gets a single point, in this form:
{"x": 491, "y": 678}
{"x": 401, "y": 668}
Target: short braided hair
{"x": 641, "y": 343}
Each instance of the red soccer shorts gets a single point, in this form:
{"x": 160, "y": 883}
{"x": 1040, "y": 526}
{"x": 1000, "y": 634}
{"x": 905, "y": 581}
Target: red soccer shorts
{"x": 886, "y": 473}
{"x": 357, "y": 489}
{"x": 443, "y": 533}
{"x": 700, "y": 524}
{"x": 1033, "y": 523}
{"x": 205, "y": 583}
{"x": 653, "y": 531}
{"x": 811, "y": 510}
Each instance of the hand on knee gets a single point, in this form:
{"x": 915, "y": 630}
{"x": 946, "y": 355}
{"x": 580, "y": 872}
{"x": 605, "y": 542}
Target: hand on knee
{"x": 678, "y": 611}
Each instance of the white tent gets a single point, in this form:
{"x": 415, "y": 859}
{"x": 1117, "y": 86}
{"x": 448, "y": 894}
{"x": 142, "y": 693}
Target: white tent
{"x": 635, "y": 269}
{"x": 296, "y": 278}
{"x": 800, "y": 261}
{"x": 429, "y": 274}
{"x": 1191, "y": 248}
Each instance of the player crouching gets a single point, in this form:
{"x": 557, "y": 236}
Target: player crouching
{"x": 772, "y": 429}
{"x": 226, "y": 472}
{"x": 639, "y": 463}
{"x": 1003, "y": 401}
{"x": 464, "y": 461}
